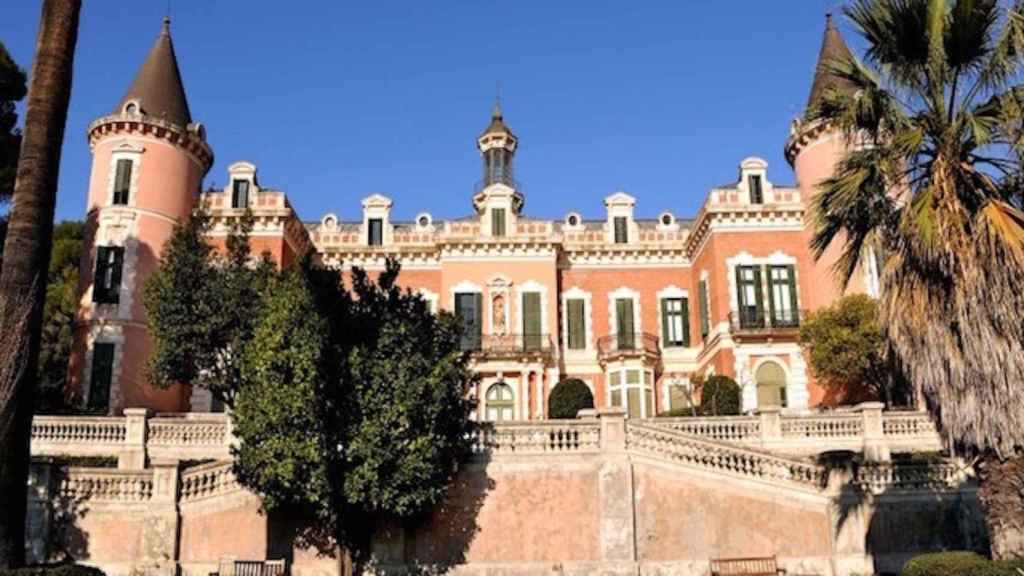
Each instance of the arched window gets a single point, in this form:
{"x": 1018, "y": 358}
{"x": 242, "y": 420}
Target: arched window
{"x": 771, "y": 385}
{"x": 498, "y": 402}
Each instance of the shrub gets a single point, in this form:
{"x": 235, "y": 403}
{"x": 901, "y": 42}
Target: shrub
{"x": 54, "y": 570}
{"x": 569, "y": 397}
{"x": 946, "y": 564}
{"x": 678, "y": 413}
{"x": 720, "y": 396}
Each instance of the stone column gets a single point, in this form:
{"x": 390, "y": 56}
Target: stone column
{"x": 161, "y": 530}
{"x": 615, "y": 494}
{"x": 771, "y": 425}
{"x": 133, "y": 454}
{"x": 875, "y": 446}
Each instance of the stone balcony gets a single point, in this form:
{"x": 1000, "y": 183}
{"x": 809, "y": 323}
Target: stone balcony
{"x": 511, "y": 346}
{"x": 630, "y": 345}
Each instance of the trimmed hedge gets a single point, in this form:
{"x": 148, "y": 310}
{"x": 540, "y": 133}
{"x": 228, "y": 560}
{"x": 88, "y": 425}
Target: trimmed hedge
{"x": 54, "y": 570}
{"x": 720, "y": 396}
{"x": 569, "y": 397}
{"x": 960, "y": 564}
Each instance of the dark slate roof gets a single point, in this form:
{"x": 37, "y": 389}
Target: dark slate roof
{"x": 833, "y": 48}
{"x": 158, "y": 86}
{"x": 497, "y": 125}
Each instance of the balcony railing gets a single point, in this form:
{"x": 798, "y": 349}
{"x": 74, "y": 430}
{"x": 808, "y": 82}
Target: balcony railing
{"x": 753, "y": 320}
{"x": 627, "y": 344}
{"x": 508, "y": 345}
{"x": 498, "y": 179}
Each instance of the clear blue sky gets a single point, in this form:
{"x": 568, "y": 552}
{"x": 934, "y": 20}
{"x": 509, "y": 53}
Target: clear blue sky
{"x": 334, "y": 101}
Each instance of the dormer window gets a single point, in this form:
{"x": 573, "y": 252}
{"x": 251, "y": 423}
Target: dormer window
{"x": 573, "y": 220}
{"x": 375, "y": 232}
{"x": 497, "y": 221}
{"x": 756, "y": 193}
{"x": 621, "y": 230}
{"x": 122, "y": 182}
{"x": 239, "y": 193}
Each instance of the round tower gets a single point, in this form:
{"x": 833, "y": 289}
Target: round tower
{"x": 814, "y": 149}
{"x": 498, "y": 198}
{"x": 149, "y": 159}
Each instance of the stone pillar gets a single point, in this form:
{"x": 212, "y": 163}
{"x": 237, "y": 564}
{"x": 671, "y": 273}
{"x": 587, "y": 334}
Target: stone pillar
{"x": 875, "y": 446}
{"x": 133, "y": 454}
{"x": 615, "y": 495}
{"x": 771, "y": 425}
{"x": 161, "y": 530}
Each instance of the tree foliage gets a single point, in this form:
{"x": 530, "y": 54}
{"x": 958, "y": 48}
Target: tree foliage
{"x": 59, "y": 316}
{"x": 719, "y": 396}
{"x": 847, "y": 350}
{"x": 568, "y": 397}
{"x": 13, "y": 88}
{"x": 350, "y": 404}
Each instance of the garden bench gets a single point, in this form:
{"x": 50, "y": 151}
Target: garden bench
{"x": 745, "y": 567}
{"x": 251, "y": 568}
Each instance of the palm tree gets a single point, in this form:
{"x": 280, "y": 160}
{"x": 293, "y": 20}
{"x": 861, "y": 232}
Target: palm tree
{"x": 26, "y": 257}
{"x": 932, "y": 184}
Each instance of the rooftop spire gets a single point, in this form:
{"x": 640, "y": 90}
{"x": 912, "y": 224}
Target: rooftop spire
{"x": 157, "y": 86}
{"x": 833, "y": 48}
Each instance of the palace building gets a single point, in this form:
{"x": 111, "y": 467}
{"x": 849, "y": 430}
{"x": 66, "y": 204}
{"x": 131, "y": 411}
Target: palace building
{"x": 635, "y": 307}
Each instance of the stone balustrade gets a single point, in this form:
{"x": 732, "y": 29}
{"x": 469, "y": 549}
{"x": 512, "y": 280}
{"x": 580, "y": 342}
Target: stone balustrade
{"x": 867, "y": 428}
{"x": 548, "y": 437}
{"x": 208, "y": 481}
{"x": 106, "y": 485}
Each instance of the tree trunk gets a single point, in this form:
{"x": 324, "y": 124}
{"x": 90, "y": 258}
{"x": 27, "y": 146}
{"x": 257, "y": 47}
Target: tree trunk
{"x": 26, "y": 257}
{"x": 1001, "y": 491}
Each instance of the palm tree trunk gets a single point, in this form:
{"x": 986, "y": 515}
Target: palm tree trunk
{"x": 1001, "y": 490}
{"x": 26, "y": 257}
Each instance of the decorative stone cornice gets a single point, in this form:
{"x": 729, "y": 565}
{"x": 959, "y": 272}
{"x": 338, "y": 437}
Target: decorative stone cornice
{"x": 802, "y": 133}
{"x": 192, "y": 141}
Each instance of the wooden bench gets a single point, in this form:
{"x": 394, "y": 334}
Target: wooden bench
{"x": 231, "y": 567}
{"x": 745, "y": 567}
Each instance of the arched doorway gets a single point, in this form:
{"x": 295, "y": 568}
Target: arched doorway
{"x": 498, "y": 403}
{"x": 771, "y": 385}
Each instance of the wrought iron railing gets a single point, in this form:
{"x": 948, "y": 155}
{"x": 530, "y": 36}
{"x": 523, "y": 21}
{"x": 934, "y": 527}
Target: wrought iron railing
{"x": 509, "y": 344}
{"x": 752, "y": 319}
{"x": 498, "y": 179}
{"x": 626, "y": 344}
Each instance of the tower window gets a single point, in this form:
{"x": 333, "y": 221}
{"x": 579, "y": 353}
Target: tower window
{"x": 240, "y": 194}
{"x": 497, "y": 221}
{"x": 621, "y": 230}
{"x": 375, "y": 232}
{"x": 122, "y": 181}
{"x": 102, "y": 375}
{"x": 756, "y": 194}
{"x": 107, "y": 279}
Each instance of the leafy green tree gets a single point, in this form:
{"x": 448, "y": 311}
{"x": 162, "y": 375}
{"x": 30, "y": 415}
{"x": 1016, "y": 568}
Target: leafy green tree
{"x": 847, "y": 350}
{"x": 719, "y": 396}
{"x": 13, "y": 88}
{"x": 934, "y": 188}
{"x": 59, "y": 316}
{"x": 568, "y": 397}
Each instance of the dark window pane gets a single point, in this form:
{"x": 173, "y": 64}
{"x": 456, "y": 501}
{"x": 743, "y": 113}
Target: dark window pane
{"x": 756, "y": 195}
{"x": 705, "y": 322}
{"x": 102, "y": 373}
{"x": 497, "y": 221}
{"x": 240, "y": 194}
{"x": 122, "y": 181}
{"x": 467, "y": 308}
{"x": 624, "y": 323}
{"x": 621, "y": 230}
{"x": 577, "y": 324}
{"x": 107, "y": 277}
{"x": 375, "y": 232}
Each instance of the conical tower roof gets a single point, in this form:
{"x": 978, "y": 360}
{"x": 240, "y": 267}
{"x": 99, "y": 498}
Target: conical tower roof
{"x": 157, "y": 86}
{"x": 497, "y": 125}
{"x": 833, "y": 48}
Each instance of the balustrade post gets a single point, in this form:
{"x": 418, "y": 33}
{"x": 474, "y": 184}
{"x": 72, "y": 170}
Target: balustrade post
{"x": 159, "y": 554}
{"x": 133, "y": 454}
{"x": 875, "y": 447}
{"x": 613, "y": 428}
{"x": 771, "y": 425}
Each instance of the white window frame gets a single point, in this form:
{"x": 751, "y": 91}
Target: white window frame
{"x": 619, "y": 293}
{"x": 672, "y": 291}
{"x": 623, "y": 387}
{"x": 131, "y": 151}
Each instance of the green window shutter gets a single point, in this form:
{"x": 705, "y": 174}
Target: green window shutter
{"x": 122, "y": 181}
{"x": 705, "y": 321}
{"x": 114, "y": 294}
{"x": 666, "y": 333}
{"x": 741, "y": 296}
{"x": 575, "y": 309}
{"x": 758, "y": 295}
{"x": 621, "y": 230}
{"x": 771, "y": 293}
{"x": 99, "y": 279}
{"x": 686, "y": 322}
{"x": 467, "y": 308}
{"x": 792, "y": 293}
{"x": 624, "y": 323}
{"x": 531, "y": 320}
{"x": 497, "y": 221}
{"x": 102, "y": 374}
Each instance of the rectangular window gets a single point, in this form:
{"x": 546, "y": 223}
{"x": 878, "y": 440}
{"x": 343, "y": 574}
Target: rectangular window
{"x": 122, "y": 181}
{"x": 107, "y": 278}
{"x": 756, "y": 195}
{"x": 705, "y": 321}
{"x": 239, "y": 193}
{"x": 625, "y": 337}
{"x": 531, "y": 321}
{"x": 375, "y": 232}
{"x": 621, "y": 230}
{"x": 497, "y": 221}
{"x": 782, "y": 286}
{"x": 575, "y": 310}
{"x": 677, "y": 397}
{"x": 748, "y": 287}
{"x": 102, "y": 374}
{"x": 468, "y": 306}
{"x": 675, "y": 325}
